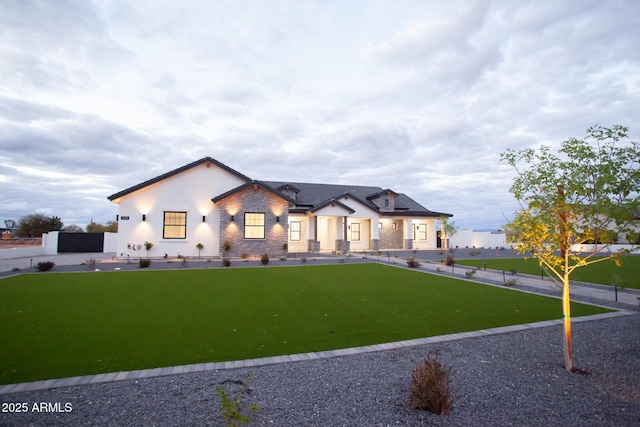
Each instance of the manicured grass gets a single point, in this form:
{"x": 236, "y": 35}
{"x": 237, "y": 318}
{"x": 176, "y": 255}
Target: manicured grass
{"x": 601, "y": 272}
{"x": 67, "y": 324}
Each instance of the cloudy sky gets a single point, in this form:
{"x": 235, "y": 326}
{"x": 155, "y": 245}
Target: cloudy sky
{"x": 418, "y": 96}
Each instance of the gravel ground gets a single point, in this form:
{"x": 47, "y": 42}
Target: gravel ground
{"x": 497, "y": 380}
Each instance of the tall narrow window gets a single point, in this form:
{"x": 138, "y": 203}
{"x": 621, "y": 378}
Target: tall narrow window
{"x": 386, "y": 203}
{"x": 294, "y": 229}
{"x": 175, "y": 225}
{"x": 422, "y": 231}
{"x": 254, "y": 225}
{"x": 355, "y": 231}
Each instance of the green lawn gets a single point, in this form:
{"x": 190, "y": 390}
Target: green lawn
{"x": 67, "y": 324}
{"x": 601, "y": 272}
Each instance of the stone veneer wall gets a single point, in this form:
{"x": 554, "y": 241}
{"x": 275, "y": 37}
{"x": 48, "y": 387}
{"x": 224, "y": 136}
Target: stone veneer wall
{"x": 390, "y": 238}
{"x": 253, "y": 199}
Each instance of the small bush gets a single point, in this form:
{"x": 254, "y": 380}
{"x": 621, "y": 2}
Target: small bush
{"x": 513, "y": 271}
{"x": 430, "y": 387}
{"x": 244, "y": 255}
{"x": 15, "y": 269}
{"x": 144, "y": 263}
{"x": 226, "y": 262}
{"x": 474, "y": 253}
{"x": 412, "y": 262}
{"x": 90, "y": 263}
{"x": 303, "y": 260}
{"x": 449, "y": 260}
{"x": 46, "y": 265}
{"x": 233, "y": 410}
{"x": 511, "y": 281}
{"x": 264, "y": 259}
{"x": 470, "y": 273}
{"x": 227, "y": 245}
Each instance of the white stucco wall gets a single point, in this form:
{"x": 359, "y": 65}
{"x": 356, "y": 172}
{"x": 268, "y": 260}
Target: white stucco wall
{"x": 190, "y": 191}
{"x": 478, "y": 239}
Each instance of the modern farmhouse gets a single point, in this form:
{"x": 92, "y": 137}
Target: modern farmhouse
{"x": 208, "y": 209}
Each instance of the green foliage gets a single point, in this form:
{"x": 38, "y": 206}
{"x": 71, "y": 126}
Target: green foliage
{"x": 144, "y": 262}
{"x": 91, "y": 263}
{"x": 45, "y": 265}
{"x": 227, "y": 245}
{"x": 73, "y": 228}
{"x": 234, "y": 411}
{"x": 512, "y": 281}
{"x": 430, "y": 386}
{"x": 264, "y": 259}
{"x": 578, "y": 195}
{"x": 226, "y": 262}
{"x": 109, "y": 227}
{"x": 36, "y": 224}
{"x": 199, "y": 247}
{"x": 470, "y": 273}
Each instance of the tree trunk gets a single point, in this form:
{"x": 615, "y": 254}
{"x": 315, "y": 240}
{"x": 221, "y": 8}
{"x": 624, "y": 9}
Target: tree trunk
{"x": 566, "y": 311}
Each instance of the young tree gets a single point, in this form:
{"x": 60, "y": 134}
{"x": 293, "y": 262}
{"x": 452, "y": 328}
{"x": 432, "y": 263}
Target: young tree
{"x": 448, "y": 229}
{"x": 73, "y": 228}
{"x": 589, "y": 188}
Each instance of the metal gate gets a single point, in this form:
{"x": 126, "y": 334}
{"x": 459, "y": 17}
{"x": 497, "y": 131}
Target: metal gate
{"x": 80, "y": 242}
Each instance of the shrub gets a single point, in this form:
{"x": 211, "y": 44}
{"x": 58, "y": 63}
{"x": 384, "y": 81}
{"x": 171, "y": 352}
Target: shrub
{"x": 470, "y": 273}
{"x": 430, "y": 387}
{"x": 144, "y": 263}
{"x": 244, "y": 255}
{"x": 226, "y": 262}
{"x": 227, "y": 245}
{"x": 449, "y": 260}
{"x": 412, "y": 262}
{"x": 511, "y": 281}
{"x": 233, "y": 411}
{"x": 303, "y": 260}
{"x": 15, "y": 269}
{"x": 44, "y": 266}
{"x": 264, "y": 259}
{"x": 513, "y": 271}
{"x": 90, "y": 263}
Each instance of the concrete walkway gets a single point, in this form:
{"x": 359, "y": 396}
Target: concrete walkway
{"x": 601, "y": 295}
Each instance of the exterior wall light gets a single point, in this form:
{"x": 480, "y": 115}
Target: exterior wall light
{"x": 277, "y": 219}
{"x": 204, "y": 218}
{"x": 232, "y": 218}
{"x": 144, "y": 217}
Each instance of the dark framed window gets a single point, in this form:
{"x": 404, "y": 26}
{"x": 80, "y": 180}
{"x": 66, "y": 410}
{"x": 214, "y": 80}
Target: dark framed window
{"x": 174, "y": 225}
{"x": 254, "y": 225}
{"x": 294, "y": 231}
{"x": 386, "y": 203}
{"x": 422, "y": 231}
{"x": 355, "y": 231}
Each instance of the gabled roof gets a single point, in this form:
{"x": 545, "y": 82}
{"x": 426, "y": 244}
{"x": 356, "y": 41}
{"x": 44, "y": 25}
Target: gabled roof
{"x": 312, "y": 195}
{"x": 250, "y": 184}
{"x": 381, "y": 193}
{"x": 176, "y": 172}
{"x": 332, "y": 202}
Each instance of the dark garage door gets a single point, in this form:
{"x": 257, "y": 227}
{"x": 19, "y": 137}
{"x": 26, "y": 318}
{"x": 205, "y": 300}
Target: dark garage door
{"x": 80, "y": 242}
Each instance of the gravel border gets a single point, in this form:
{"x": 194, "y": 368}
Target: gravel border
{"x": 507, "y": 379}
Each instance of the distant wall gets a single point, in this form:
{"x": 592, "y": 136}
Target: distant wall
{"x": 478, "y": 239}
{"x": 50, "y": 246}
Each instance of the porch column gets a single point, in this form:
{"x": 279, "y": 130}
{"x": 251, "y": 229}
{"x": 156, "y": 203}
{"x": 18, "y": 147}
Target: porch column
{"x": 345, "y": 241}
{"x": 408, "y": 234}
{"x": 374, "y": 243}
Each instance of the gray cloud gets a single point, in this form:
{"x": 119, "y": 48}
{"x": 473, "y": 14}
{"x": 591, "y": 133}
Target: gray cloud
{"x": 419, "y": 97}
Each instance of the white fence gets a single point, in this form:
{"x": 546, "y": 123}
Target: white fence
{"x": 478, "y": 239}
{"x": 50, "y": 246}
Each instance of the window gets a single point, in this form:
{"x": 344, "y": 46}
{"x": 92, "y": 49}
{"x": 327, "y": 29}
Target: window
{"x": 355, "y": 231}
{"x": 294, "y": 230}
{"x": 386, "y": 203}
{"x": 254, "y": 225}
{"x": 175, "y": 225}
{"x": 422, "y": 231}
